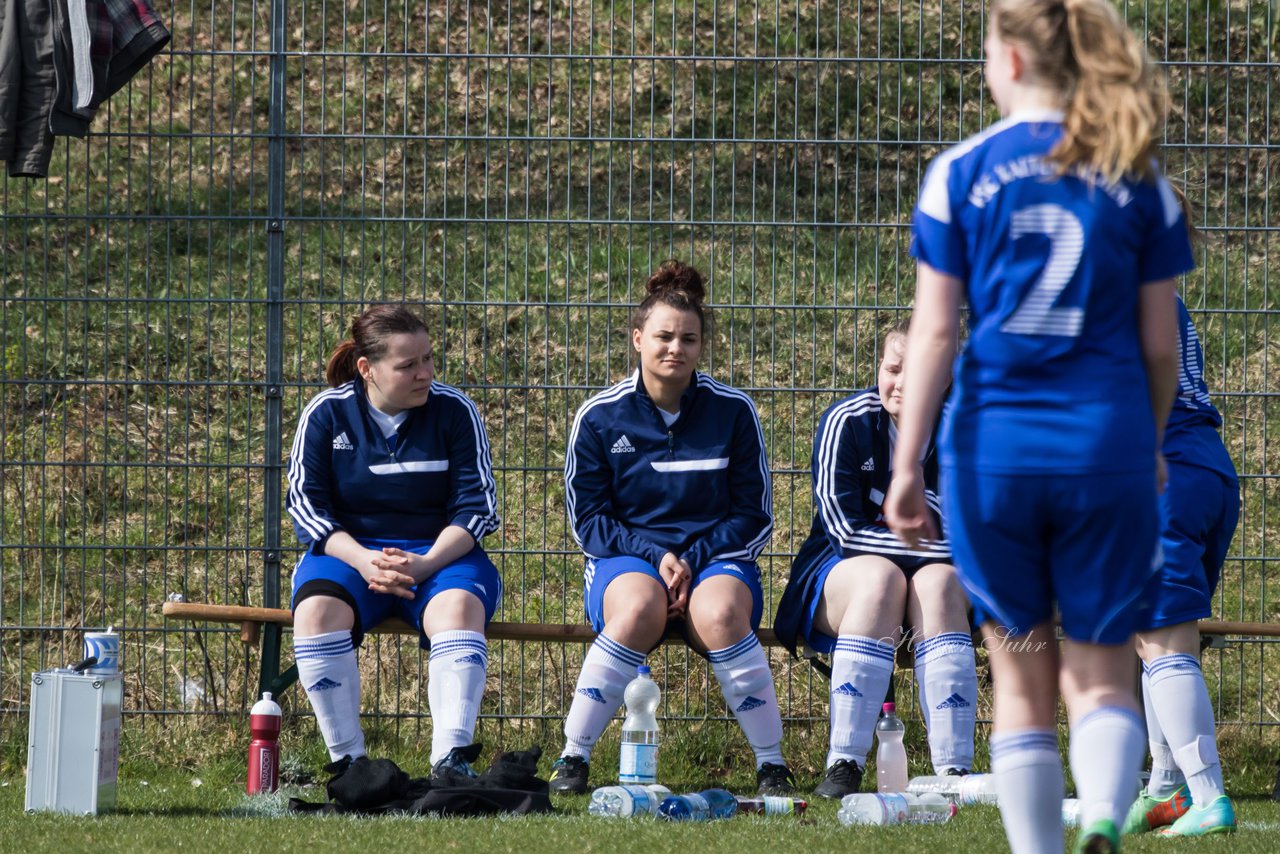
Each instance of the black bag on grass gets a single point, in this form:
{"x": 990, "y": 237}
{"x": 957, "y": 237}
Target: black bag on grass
{"x": 480, "y": 800}
{"x": 373, "y": 786}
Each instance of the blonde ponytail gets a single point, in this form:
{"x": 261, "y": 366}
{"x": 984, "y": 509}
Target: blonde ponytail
{"x": 1116, "y": 100}
{"x": 1117, "y": 111}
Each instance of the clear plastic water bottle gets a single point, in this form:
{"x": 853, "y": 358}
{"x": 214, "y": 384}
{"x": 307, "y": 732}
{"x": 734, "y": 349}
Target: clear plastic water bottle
{"x": 873, "y": 808}
{"x": 891, "y": 754}
{"x": 625, "y": 801}
{"x": 1070, "y": 812}
{"x": 943, "y": 784}
{"x": 638, "y": 760}
{"x": 699, "y": 806}
{"x": 881, "y": 808}
{"x": 977, "y": 789}
{"x": 969, "y": 789}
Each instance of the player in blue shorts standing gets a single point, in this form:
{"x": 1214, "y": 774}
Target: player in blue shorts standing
{"x": 853, "y": 583}
{"x": 391, "y": 489}
{"x": 668, "y": 493}
{"x": 1057, "y": 229}
{"x": 1198, "y": 512}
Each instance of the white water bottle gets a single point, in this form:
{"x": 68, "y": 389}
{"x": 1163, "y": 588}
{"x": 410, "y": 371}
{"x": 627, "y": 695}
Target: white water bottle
{"x": 881, "y": 808}
{"x": 891, "y": 754}
{"x": 626, "y": 801}
{"x": 638, "y": 760}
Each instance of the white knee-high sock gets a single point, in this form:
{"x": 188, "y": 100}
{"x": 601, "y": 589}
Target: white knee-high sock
{"x": 1106, "y": 753}
{"x": 1029, "y": 785}
{"x": 747, "y": 685}
{"x": 455, "y": 686}
{"x": 606, "y": 670}
{"x": 1166, "y": 777}
{"x": 947, "y": 671}
{"x": 1182, "y": 705}
{"x": 861, "y": 668}
{"x": 328, "y": 673}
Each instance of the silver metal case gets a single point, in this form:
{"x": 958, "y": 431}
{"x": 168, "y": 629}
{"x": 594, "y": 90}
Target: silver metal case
{"x": 73, "y": 745}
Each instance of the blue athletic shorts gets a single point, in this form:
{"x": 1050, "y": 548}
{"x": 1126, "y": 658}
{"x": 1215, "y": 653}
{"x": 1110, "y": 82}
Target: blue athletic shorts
{"x": 1085, "y": 543}
{"x": 1198, "y": 514}
{"x": 322, "y": 575}
{"x": 601, "y": 572}
{"x": 820, "y": 641}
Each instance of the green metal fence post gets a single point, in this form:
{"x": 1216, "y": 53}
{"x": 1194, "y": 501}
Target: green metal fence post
{"x": 274, "y": 388}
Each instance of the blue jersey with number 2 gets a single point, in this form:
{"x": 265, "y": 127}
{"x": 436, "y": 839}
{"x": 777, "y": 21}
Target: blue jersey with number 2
{"x": 1051, "y": 378}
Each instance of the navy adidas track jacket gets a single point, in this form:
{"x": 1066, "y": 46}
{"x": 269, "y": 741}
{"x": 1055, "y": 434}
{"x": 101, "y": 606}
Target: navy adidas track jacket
{"x": 852, "y": 467}
{"x": 344, "y": 475}
{"x": 699, "y": 488}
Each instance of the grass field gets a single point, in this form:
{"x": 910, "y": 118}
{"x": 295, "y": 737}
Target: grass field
{"x": 181, "y": 788}
{"x": 163, "y": 809}
{"x": 517, "y": 169}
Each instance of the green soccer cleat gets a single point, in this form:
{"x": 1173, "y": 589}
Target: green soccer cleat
{"x": 1148, "y": 813}
{"x": 1217, "y": 816}
{"x": 1100, "y": 838}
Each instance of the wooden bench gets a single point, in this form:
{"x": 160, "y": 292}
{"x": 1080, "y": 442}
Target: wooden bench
{"x": 252, "y": 619}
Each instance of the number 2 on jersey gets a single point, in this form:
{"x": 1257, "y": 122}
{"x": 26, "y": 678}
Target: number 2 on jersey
{"x": 1035, "y": 315}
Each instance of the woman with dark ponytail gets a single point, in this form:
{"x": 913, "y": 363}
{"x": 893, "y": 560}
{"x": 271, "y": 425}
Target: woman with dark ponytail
{"x": 391, "y": 489}
{"x": 668, "y": 493}
{"x": 1057, "y": 228}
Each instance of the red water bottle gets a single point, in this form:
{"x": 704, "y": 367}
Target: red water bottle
{"x": 264, "y": 749}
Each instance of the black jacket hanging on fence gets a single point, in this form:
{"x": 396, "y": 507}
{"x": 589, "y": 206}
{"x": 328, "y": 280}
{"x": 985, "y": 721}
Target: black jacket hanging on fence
{"x": 59, "y": 60}
{"x": 372, "y": 786}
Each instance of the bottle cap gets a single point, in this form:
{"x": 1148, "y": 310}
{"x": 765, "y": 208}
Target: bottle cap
{"x": 266, "y": 706}
{"x": 889, "y": 708}
{"x": 643, "y": 670}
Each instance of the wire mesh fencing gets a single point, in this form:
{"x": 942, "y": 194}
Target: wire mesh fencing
{"x": 172, "y": 290}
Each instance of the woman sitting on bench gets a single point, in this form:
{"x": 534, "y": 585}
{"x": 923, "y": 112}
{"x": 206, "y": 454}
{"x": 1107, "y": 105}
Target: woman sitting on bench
{"x": 391, "y": 489}
{"x": 854, "y": 582}
{"x": 667, "y": 487}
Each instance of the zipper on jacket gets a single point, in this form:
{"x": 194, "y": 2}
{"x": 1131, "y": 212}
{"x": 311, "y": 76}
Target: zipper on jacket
{"x": 671, "y": 444}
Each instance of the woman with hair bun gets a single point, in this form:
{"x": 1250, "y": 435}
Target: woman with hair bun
{"x": 391, "y": 489}
{"x": 668, "y": 495}
{"x": 1056, "y": 227}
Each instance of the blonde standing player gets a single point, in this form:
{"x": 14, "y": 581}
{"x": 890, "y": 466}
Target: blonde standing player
{"x": 1057, "y": 229}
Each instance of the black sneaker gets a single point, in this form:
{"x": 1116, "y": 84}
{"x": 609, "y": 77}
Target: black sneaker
{"x": 842, "y": 778}
{"x": 454, "y": 769}
{"x": 569, "y": 775}
{"x": 956, "y": 772}
{"x": 775, "y": 779}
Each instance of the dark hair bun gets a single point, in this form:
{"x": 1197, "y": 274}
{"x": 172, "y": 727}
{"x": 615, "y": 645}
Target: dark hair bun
{"x": 677, "y": 276}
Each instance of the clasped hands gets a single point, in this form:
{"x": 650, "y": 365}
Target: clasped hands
{"x": 678, "y": 576}
{"x": 394, "y": 571}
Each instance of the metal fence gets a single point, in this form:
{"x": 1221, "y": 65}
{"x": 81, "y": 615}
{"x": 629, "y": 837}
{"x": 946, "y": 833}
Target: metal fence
{"x": 171, "y": 291}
